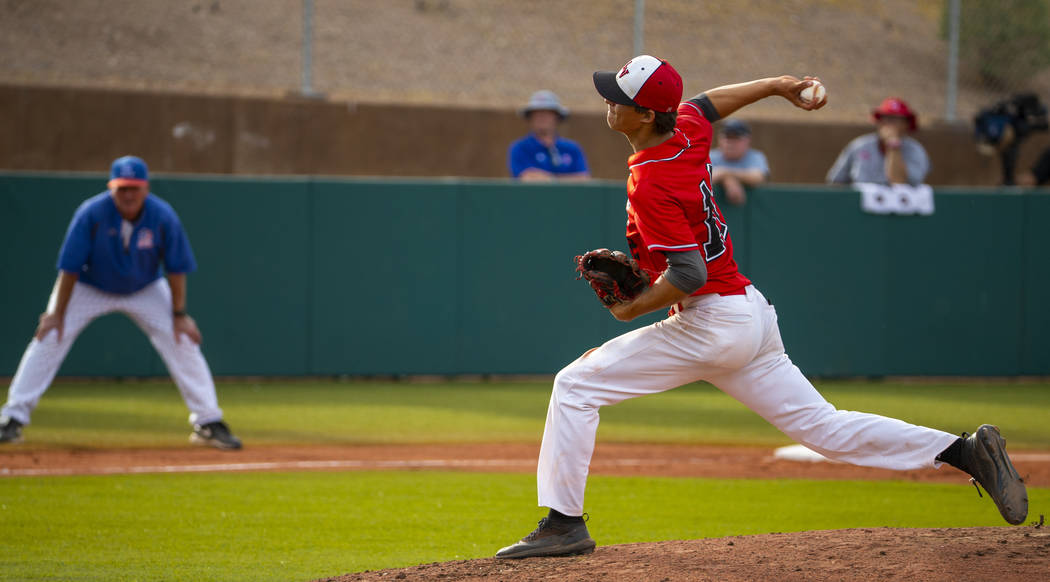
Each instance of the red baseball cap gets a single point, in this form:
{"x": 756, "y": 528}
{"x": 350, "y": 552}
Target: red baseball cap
{"x": 896, "y": 107}
{"x": 645, "y": 81}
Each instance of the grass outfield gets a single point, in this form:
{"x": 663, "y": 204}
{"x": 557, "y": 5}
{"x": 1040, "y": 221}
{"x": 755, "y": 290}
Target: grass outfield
{"x": 96, "y": 414}
{"x": 302, "y": 526}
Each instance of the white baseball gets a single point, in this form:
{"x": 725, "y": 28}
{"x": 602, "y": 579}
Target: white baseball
{"x": 815, "y": 91}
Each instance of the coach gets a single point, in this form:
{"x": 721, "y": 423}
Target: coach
{"x": 111, "y": 261}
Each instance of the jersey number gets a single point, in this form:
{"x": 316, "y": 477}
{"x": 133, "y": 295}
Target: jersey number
{"x": 716, "y": 228}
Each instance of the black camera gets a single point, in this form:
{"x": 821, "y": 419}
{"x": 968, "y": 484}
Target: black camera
{"x": 1000, "y": 128}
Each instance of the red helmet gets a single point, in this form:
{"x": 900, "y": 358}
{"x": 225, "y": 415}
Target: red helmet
{"x": 896, "y": 107}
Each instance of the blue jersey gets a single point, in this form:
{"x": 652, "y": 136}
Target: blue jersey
{"x": 96, "y": 249}
{"x": 566, "y": 157}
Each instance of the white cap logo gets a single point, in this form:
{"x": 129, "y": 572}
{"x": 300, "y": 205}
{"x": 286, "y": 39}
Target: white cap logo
{"x": 635, "y": 73}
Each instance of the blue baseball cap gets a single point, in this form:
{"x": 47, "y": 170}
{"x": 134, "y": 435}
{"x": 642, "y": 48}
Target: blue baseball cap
{"x": 128, "y": 171}
{"x": 734, "y": 127}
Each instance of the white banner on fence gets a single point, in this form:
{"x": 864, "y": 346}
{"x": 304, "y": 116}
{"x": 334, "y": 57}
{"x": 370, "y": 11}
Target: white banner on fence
{"x": 896, "y": 199}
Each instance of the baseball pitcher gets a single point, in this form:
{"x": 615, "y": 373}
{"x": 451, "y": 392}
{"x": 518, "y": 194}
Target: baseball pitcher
{"x": 721, "y": 329}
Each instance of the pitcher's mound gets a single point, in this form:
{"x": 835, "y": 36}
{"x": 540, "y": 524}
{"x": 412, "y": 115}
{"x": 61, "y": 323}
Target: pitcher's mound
{"x": 950, "y": 555}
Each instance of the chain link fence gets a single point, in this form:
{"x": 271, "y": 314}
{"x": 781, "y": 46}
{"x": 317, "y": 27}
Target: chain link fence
{"x": 495, "y": 53}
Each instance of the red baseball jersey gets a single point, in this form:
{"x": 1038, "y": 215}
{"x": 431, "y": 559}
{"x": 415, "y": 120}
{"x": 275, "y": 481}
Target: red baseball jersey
{"x": 671, "y": 207}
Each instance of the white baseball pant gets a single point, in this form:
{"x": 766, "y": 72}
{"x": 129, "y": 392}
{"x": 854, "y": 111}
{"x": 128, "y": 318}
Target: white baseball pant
{"x": 150, "y": 309}
{"x": 734, "y": 343}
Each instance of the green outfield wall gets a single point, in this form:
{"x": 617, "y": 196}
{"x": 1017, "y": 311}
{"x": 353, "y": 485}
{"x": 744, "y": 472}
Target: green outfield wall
{"x": 317, "y": 276}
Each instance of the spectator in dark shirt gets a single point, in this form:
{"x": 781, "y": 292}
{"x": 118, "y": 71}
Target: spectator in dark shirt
{"x": 1039, "y": 175}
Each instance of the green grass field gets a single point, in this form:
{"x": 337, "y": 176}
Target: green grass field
{"x": 150, "y": 413}
{"x": 302, "y": 526}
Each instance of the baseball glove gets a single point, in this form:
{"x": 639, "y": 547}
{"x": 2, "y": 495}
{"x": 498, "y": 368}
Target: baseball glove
{"x": 614, "y": 276}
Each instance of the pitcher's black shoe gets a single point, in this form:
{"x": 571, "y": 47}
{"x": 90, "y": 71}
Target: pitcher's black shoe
{"x": 10, "y": 430}
{"x": 552, "y": 538}
{"x": 214, "y": 434}
{"x": 984, "y": 458}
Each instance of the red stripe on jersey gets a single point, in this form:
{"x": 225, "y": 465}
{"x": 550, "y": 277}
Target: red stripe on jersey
{"x": 692, "y": 105}
{"x": 671, "y": 207}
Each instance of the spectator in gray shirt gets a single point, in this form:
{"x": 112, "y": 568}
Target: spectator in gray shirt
{"x": 736, "y": 164}
{"x": 886, "y": 156}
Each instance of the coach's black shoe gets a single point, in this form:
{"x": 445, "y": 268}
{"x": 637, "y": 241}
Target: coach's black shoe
{"x": 10, "y": 430}
{"x": 215, "y": 434}
{"x": 552, "y": 538}
{"x": 984, "y": 458}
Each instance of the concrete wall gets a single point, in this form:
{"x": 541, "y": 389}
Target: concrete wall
{"x": 69, "y": 129}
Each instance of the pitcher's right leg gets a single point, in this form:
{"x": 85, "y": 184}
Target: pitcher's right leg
{"x": 635, "y": 364}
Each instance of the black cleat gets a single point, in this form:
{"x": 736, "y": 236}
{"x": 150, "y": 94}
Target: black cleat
{"x": 984, "y": 458}
{"x": 214, "y": 434}
{"x": 10, "y": 430}
{"x": 552, "y": 539}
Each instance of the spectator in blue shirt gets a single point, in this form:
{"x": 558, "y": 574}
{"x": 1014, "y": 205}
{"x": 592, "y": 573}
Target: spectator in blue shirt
{"x": 543, "y": 155}
{"x": 736, "y": 165}
{"x": 125, "y": 251}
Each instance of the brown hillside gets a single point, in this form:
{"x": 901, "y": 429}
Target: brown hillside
{"x": 429, "y": 87}
{"x": 487, "y": 53}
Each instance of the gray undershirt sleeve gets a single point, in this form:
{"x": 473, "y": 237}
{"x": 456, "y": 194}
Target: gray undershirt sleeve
{"x": 685, "y": 270}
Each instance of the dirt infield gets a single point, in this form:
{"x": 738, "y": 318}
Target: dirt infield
{"x": 609, "y": 459}
{"x": 1003, "y": 554}
{"x": 996, "y": 553}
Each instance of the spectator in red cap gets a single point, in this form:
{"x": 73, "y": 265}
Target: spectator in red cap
{"x": 889, "y": 155}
